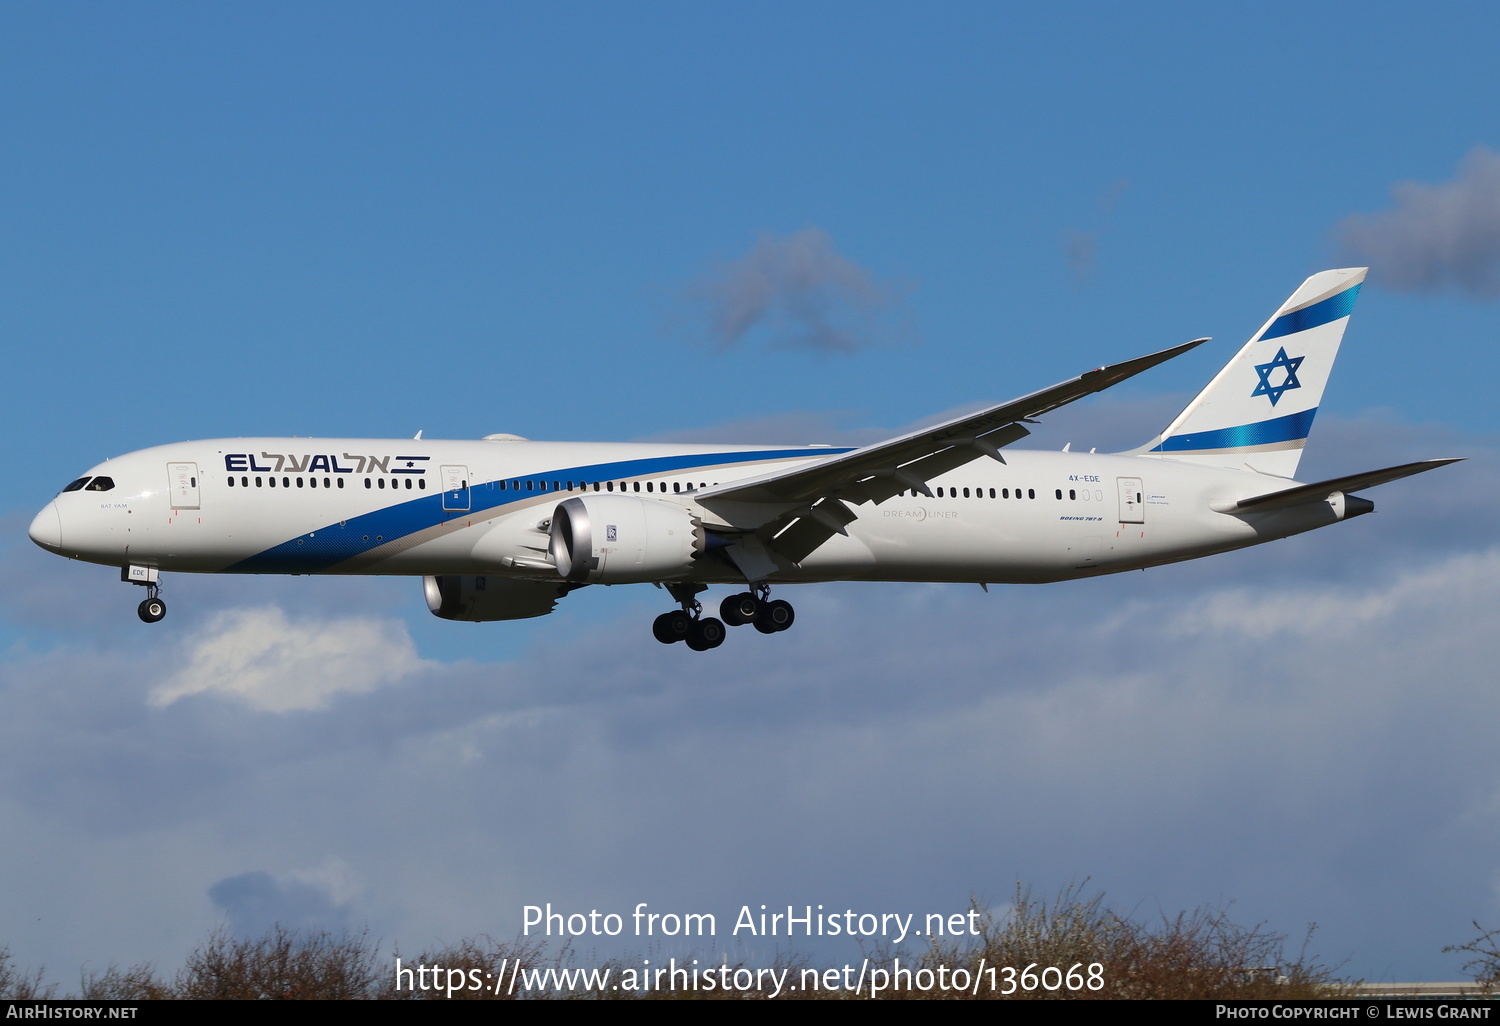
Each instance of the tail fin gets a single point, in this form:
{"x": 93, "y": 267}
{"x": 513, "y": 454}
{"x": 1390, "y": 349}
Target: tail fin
{"x": 1256, "y": 413}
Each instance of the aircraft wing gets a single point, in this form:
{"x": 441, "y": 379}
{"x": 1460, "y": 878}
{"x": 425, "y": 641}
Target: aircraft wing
{"x": 874, "y": 473}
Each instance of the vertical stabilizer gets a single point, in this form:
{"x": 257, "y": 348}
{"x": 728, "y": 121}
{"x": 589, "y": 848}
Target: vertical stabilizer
{"x": 1256, "y": 413}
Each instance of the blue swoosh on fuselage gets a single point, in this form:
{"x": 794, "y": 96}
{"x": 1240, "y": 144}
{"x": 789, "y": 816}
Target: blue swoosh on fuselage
{"x": 332, "y": 544}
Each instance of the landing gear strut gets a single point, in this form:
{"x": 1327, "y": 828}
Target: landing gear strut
{"x": 688, "y": 623}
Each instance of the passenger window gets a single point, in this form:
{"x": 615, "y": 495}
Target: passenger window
{"x": 271, "y": 482}
{"x": 231, "y": 482}
{"x": 421, "y": 483}
{"x": 1059, "y": 493}
{"x": 367, "y": 482}
{"x": 245, "y": 482}
{"x": 286, "y": 482}
{"x": 299, "y": 482}
{"x": 257, "y": 482}
{"x": 341, "y": 482}
{"x": 1072, "y": 494}
{"x": 1031, "y": 493}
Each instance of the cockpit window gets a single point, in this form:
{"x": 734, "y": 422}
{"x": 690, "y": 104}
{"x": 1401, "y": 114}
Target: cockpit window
{"x": 101, "y": 484}
{"x": 77, "y": 485}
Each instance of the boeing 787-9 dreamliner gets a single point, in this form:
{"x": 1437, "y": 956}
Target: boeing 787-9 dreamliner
{"x": 503, "y": 528}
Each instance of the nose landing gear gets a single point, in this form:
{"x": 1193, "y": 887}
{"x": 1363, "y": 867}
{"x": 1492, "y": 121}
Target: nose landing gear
{"x": 153, "y": 608}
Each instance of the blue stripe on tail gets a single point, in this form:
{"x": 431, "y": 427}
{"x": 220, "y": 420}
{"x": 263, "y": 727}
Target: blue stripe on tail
{"x": 1330, "y": 309}
{"x": 1290, "y": 428}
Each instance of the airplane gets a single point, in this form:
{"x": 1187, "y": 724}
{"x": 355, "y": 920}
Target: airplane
{"x": 503, "y": 528}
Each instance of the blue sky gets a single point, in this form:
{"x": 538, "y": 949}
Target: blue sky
{"x": 365, "y": 220}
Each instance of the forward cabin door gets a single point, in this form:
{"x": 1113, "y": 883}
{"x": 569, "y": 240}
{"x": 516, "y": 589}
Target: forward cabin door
{"x": 182, "y": 485}
{"x": 455, "y": 488}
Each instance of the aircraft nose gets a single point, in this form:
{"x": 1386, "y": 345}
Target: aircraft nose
{"x": 46, "y": 528}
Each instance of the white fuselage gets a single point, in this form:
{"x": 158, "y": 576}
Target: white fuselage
{"x": 363, "y": 506}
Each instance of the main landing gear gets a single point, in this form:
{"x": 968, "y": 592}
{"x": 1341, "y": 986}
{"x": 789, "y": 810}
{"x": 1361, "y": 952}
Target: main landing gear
{"x": 705, "y": 632}
{"x": 688, "y": 623}
{"x": 768, "y": 615}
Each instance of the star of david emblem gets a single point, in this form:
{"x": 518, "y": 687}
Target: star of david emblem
{"x": 409, "y": 463}
{"x": 1286, "y": 363}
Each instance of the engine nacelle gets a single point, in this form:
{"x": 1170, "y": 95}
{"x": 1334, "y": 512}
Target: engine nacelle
{"x": 621, "y": 539}
{"x": 478, "y": 599}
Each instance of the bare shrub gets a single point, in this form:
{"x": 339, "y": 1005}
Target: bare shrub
{"x": 1484, "y": 967}
{"x": 1196, "y": 955}
{"x": 480, "y": 963}
{"x": 136, "y": 983}
{"x": 282, "y": 965}
{"x": 18, "y": 986}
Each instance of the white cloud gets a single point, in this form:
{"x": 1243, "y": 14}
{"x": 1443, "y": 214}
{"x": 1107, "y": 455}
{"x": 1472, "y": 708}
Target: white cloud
{"x": 1435, "y": 238}
{"x": 321, "y": 898}
{"x": 801, "y": 293}
{"x": 1439, "y": 592}
{"x": 264, "y": 660}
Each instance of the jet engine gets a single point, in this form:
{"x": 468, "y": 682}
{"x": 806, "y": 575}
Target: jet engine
{"x": 621, "y": 539}
{"x": 455, "y": 597}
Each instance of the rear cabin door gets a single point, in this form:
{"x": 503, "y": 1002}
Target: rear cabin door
{"x": 455, "y": 488}
{"x": 1132, "y": 506}
{"x": 182, "y": 484}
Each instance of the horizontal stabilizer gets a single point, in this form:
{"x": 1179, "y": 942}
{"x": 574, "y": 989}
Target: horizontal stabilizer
{"x": 1323, "y": 489}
